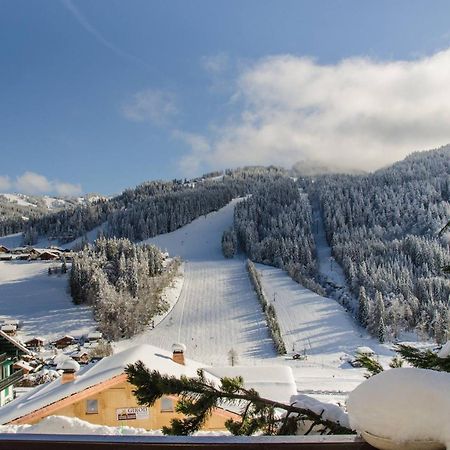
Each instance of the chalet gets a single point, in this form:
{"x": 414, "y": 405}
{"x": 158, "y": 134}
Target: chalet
{"x": 24, "y": 366}
{"x": 35, "y": 344}
{"x": 81, "y": 357}
{"x": 4, "y": 249}
{"x": 12, "y": 347}
{"x": 9, "y": 329}
{"x": 101, "y": 394}
{"x": 6, "y": 390}
{"x": 47, "y": 255}
{"x": 64, "y": 342}
{"x": 10, "y": 351}
{"x": 94, "y": 336}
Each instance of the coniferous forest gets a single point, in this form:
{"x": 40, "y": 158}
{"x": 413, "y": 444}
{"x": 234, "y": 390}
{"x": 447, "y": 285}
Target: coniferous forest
{"x": 383, "y": 229}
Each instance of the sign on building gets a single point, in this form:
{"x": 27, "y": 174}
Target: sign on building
{"x": 138, "y": 413}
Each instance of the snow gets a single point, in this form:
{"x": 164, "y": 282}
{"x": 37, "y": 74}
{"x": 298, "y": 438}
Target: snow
{"x": 94, "y": 374}
{"x": 444, "y": 352}
{"x": 403, "y": 404}
{"x": 328, "y": 411}
{"x": 217, "y": 309}
{"x": 72, "y": 425}
{"x": 40, "y": 302}
{"x": 20, "y": 199}
{"x": 272, "y": 382}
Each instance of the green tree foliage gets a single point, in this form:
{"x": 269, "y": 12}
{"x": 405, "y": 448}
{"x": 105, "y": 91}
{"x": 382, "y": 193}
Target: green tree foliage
{"x": 198, "y": 397}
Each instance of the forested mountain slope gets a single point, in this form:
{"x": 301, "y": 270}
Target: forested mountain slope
{"x": 149, "y": 209}
{"x": 383, "y": 229}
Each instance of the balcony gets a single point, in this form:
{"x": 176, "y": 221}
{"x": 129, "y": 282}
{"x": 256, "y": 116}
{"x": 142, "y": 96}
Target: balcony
{"x": 88, "y": 442}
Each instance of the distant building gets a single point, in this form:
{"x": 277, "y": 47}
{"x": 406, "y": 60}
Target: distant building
{"x": 35, "y": 344}
{"x": 9, "y": 329}
{"x": 4, "y": 249}
{"x": 94, "y": 336}
{"x": 64, "y": 342}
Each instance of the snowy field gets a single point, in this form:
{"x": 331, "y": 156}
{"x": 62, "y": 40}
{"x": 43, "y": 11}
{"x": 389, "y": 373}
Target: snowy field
{"x": 214, "y": 310}
{"x": 320, "y": 329}
{"x": 40, "y": 301}
{"x": 217, "y": 309}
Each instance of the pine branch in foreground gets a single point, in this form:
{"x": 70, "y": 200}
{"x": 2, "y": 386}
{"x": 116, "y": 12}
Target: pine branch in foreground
{"x": 198, "y": 397}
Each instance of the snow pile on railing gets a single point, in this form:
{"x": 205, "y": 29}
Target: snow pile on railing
{"x": 327, "y": 411}
{"x": 73, "y": 425}
{"x": 404, "y": 405}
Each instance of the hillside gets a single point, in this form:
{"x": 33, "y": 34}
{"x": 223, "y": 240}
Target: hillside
{"x": 217, "y": 309}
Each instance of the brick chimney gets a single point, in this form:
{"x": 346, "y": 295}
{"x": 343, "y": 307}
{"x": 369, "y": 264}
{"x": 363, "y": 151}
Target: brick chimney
{"x": 178, "y": 353}
{"x": 69, "y": 367}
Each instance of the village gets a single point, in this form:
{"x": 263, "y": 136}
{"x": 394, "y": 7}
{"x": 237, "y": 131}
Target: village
{"x": 29, "y": 253}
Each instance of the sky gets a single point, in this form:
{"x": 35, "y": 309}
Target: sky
{"x": 98, "y": 96}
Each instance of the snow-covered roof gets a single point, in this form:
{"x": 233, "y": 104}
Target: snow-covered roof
{"x": 272, "y": 382}
{"x": 365, "y": 351}
{"x": 15, "y": 343}
{"x": 154, "y": 358}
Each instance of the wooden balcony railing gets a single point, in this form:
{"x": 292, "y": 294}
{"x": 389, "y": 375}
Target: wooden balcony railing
{"x": 88, "y": 442}
{"x": 12, "y": 379}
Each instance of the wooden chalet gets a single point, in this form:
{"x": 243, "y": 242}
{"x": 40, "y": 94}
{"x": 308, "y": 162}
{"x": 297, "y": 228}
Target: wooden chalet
{"x": 35, "y": 344}
{"x": 81, "y": 357}
{"x": 48, "y": 255}
{"x": 12, "y": 347}
{"x": 64, "y": 342}
{"x": 9, "y": 329}
{"x": 4, "y": 249}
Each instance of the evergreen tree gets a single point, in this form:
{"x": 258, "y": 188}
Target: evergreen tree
{"x": 198, "y": 397}
{"x": 363, "y": 310}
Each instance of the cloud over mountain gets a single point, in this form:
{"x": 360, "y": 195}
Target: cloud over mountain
{"x": 358, "y": 113}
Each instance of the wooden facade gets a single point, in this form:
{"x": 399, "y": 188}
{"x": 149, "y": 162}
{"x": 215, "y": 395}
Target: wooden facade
{"x": 113, "y": 403}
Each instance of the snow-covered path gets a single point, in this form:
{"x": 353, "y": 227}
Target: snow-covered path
{"x": 328, "y": 266}
{"x": 217, "y": 309}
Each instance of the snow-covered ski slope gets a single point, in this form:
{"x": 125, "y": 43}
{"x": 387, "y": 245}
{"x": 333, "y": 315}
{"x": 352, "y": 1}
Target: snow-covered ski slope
{"x": 217, "y": 309}
{"x": 40, "y": 301}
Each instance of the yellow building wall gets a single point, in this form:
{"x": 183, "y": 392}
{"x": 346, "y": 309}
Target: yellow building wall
{"x": 121, "y": 396}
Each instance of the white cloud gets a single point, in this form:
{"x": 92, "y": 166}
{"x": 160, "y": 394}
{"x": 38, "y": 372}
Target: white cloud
{"x": 65, "y": 189}
{"x": 35, "y": 184}
{"x": 151, "y": 105}
{"x": 358, "y": 113}
{"x": 191, "y": 163}
{"x": 5, "y": 183}
{"x": 32, "y": 183}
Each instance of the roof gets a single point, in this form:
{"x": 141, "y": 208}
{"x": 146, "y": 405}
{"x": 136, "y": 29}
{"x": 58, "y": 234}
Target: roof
{"x": 272, "y": 382}
{"x": 95, "y": 374}
{"x": 275, "y": 382}
{"x": 11, "y": 345}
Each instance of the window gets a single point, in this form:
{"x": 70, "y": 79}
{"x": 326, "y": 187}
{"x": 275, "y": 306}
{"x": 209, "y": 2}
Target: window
{"x": 92, "y": 406}
{"x": 166, "y": 404}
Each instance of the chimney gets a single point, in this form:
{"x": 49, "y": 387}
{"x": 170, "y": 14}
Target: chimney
{"x": 69, "y": 367}
{"x": 178, "y": 353}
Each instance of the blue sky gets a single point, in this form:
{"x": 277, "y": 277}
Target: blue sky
{"x": 97, "y": 96}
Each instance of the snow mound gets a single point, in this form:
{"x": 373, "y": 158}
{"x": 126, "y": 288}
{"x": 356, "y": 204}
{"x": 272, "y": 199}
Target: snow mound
{"x": 73, "y": 425}
{"x": 403, "y": 405}
{"x": 444, "y": 352}
{"x": 328, "y": 411}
